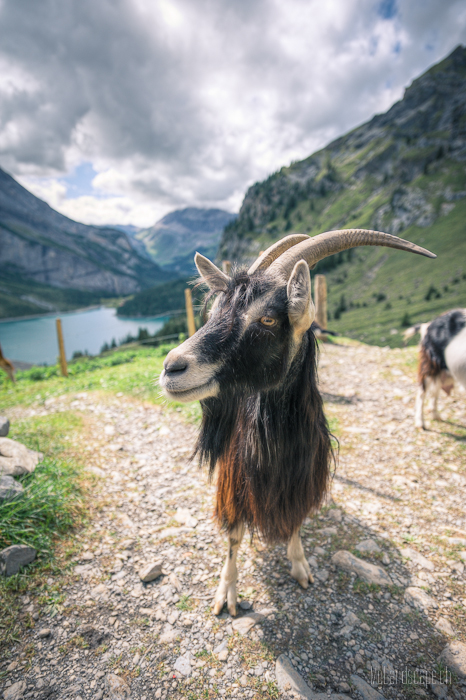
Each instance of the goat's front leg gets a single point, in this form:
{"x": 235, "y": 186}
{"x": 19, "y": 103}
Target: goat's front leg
{"x": 300, "y": 569}
{"x": 437, "y": 384}
{"x": 419, "y": 410}
{"x": 226, "y": 590}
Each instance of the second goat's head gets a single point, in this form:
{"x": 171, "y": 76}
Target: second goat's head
{"x": 259, "y": 317}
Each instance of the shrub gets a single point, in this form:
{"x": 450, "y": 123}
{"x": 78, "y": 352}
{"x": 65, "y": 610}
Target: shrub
{"x": 406, "y": 321}
{"x": 432, "y": 293}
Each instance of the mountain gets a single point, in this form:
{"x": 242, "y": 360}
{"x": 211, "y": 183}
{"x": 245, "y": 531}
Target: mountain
{"x": 403, "y": 172}
{"x": 42, "y": 249}
{"x": 173, "y": 240}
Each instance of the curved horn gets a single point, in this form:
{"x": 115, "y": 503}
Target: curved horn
{"x": 331, "y": 242}
{"x": 275, "y": 250}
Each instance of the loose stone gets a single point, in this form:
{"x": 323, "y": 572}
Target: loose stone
{"x": 369, "y": 572}
{"x": 117, "y": 688}
{"x": 454, "y": 656}
{"x": 14, "y": 557}
{"x": 417, "y": 558}
{"x": 16, "y": 459}
{"x": 367, "y": 691}
{"x": 9, "y": 488}
{"x": 150, "y": 572}
{"x": 15, "y": 691}
{"x": 4, "y": 426}
{"x": 443, "y": 625}
{"x": 368, "y": 547}
{"x": 247, "y": 622}
{"x": 419, "y": 599}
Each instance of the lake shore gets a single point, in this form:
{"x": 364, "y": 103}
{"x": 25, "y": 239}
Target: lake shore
{"x": 48, "y": 314}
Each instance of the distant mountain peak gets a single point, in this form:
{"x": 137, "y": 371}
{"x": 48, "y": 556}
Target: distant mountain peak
{"x": 47, "y": 247}
{"x": 174, "y": 239}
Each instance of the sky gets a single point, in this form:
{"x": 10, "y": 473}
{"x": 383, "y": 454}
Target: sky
{"x": 120, "y": 111}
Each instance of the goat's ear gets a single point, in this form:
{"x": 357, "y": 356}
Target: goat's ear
{"x": 211, "y": 275}
{"x": 301, "y": 310}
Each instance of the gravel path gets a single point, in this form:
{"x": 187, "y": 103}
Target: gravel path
{"x": 388, "y": 554}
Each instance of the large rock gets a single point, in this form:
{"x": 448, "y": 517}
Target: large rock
{"x": 454, "y": 656}
{"x": 366, "y": 690}
{"x": 4, "y": 426}
{"x": 14, "y": 557}
{"x": 289, "y": 681}
{"x": 15, "y": 691}
{"x": 117, "y": 688}
{"x": 9, "y": 488}
{"x": 16, "y": 459}
{"x": 419, "y": 599}
{"x": 417, "y": 558}
{"x": 368, "y": 572}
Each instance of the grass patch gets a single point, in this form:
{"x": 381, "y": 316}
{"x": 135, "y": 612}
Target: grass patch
{"x": 50, "y": 507}
{"x": 52, "y": 499}
{"x": 132, "y": 371}
{"x": 364, "y": 588}
{"x": 185, "y": 603}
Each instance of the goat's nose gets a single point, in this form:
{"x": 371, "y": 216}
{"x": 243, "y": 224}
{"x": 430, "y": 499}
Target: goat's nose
{"x": 179, "y": 364}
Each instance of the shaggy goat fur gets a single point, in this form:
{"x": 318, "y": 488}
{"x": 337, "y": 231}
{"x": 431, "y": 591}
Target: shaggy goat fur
{"x": 432, "y": 349}
{"x": 271, "y": 447}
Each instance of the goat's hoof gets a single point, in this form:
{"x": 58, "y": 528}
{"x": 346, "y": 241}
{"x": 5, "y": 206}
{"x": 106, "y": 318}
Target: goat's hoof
{"x": 301, "y": 572}
{"x": 225, "y": 594}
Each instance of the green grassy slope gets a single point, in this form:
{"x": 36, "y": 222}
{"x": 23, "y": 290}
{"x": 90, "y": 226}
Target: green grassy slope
{"x": 398, "y": 288}
{"x": 403, "y": 172}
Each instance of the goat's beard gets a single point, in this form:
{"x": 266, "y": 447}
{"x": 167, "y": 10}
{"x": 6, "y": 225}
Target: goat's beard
{"x": 272, "y": 451}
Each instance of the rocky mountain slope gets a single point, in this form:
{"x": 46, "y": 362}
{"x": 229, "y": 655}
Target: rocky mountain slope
{"x": 43, "y": 249}
{"x": 173, "y": 240}
{"x": 403, "y": 172}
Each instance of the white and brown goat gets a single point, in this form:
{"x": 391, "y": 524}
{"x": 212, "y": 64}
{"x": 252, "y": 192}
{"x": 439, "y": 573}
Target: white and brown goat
{"x": 253, "y": 368}
{"x": 442, "y": 359}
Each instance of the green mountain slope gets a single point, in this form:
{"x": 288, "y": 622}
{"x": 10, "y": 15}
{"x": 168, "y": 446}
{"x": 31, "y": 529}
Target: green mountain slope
{"x": 403, "y": 172}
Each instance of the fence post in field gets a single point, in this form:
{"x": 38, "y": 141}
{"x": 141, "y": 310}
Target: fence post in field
{"x": 61, "y": 348}
{"x": 320, "y": 294}
{"x": 189, "y": 312}
{"x": 7, "y": 366}
{"x": 226, "y": 267}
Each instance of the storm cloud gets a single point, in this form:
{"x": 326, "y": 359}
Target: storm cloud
{"x": 171, "y": 103}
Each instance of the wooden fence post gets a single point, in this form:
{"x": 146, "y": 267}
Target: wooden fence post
{"x": 61, "y": 348}
{"x": 189, "y": 312}
{"x": 226, "y": 267}
{"x": 320, "y": 293}
{"x": 7, "y": 366}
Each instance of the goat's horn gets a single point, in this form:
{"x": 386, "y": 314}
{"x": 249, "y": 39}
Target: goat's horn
{"x": 331, "y": 242}
{"x": 275, "y": 250}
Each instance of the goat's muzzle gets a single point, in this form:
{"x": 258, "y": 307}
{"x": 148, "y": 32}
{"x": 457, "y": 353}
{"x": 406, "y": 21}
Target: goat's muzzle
{"x": 185, "y": 378}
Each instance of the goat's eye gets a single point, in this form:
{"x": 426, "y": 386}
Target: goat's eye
{"x": 268, "y": 321}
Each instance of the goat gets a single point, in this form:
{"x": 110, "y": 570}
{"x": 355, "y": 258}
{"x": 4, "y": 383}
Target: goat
{"x": 253, "y": 368}
{"x": 442, "y": 359}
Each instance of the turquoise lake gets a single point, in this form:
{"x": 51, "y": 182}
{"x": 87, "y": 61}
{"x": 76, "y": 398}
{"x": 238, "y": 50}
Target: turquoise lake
{"x": 34, "y": 340}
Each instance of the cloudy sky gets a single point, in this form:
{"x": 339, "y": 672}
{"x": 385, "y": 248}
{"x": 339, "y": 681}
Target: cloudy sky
{"x": 119, "y": 111}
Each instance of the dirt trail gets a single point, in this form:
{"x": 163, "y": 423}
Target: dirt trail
{"x": 113, "y": 636}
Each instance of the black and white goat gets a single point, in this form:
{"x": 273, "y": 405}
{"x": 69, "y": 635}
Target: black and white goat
{"x": 253, "y": 368}
{"x": 442, "y": 358}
